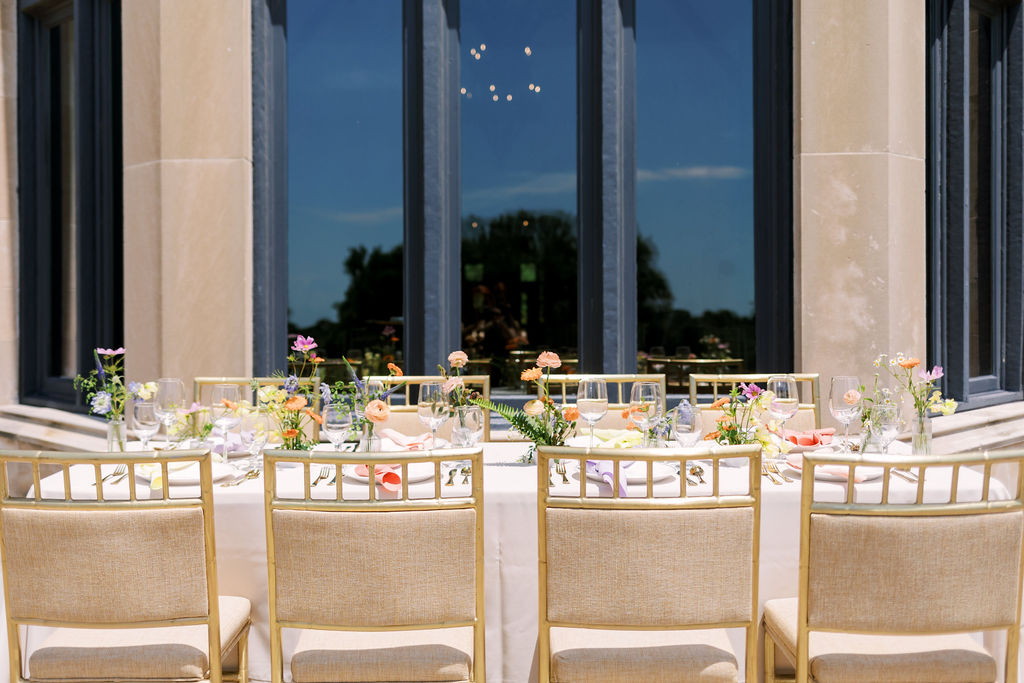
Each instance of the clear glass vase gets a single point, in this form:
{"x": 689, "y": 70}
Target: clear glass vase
{"x": 116, "y": 435}
{"x": 467, "y": 425}
{"x": 368, "y": 441}
{"x": 920, "y": 434}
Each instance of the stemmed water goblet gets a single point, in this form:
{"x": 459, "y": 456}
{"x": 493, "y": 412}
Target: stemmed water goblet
{"x": 432, "y": 408}
{"x": 686, "y": 424}
{"x": 337, "y": 423}
{"x": 255, "y": 432}
{"x": 145, "y": 421}
{"x": 885, "y": 423}
{"x": 592, "y": 402}
{"x": 844, "y": 404}
{"x": 785, "y": 402}
{"x": 170, "y": 398}
{"x": 224, "y": 409}
{"x": 645, "y": 406}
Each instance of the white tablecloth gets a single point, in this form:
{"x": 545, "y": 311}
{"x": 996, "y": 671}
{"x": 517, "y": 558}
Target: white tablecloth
{"x": 510, "y": 550}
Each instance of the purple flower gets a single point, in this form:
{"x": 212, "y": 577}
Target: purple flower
{"x": 101, "y": 403}
{"x": 291, "y": 385}
{"x": 325, "y": 393}
{"x": 303, "y": 344}
{"x": 750, "y": 391}
{"x": 935, "y": 374}
{"x": 99, "y": 368}
{"x": 387, "y": 331}
{"x": 111, "y": 352}
{"x": 194, "y": 408}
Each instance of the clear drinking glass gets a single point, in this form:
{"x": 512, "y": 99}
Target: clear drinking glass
{"x": 145, "y": 421}
{"x": 432, "y": 408}
{"x": 224, "y": 417}
{"x": 170, "y": 398}
{"x": 844, "y": 404}
{"x": 255, "y": 432}
{"x": 592, "y": 402}
{"x": 644, "y": 406}
{"x": 885, "y": 423}
{"x": 337, "y": 423}
{"x": 686, "y": 424}
{"x": 785, "y": 398}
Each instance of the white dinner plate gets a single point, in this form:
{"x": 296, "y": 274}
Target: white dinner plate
{"x": 186, "y": 475}
{"x": 837, "y": 473}
{"x": 418, "y": 471}
{"x": 637, "y": 472}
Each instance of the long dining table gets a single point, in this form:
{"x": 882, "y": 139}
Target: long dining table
{"x": 510, "y": 550}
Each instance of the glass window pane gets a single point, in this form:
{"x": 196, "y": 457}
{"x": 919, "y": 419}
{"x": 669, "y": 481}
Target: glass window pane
{"x": 345, "y": 177}
{"x": 519, "y": 281}
{"x": 63, "y": 36}
{"x": 695, "y": 184}
{"x": 980, "y": 197}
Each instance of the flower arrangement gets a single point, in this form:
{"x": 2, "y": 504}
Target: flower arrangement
{"x": 366, "y": 400}
{"x": 290, "y": 407}
{"x": 193, "y": 423}
{"x": 541, "y": 420}
{"x": 743, "y": 420}
{"x": 713, "y": 347}
{"x": 926, "y": 398}
{"x": 454, "y": 387}
{"x": 104, "y": 386}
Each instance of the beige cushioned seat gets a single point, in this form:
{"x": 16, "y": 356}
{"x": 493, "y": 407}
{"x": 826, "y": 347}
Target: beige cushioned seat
{"x": 347, "y": 656}
{"x": 174, "y": 653}
{"x": 604, "y": 656}
{"x": 849, "y": 658}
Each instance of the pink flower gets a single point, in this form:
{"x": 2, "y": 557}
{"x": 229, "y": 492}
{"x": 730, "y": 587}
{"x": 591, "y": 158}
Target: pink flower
{"x": 851, "y": 397}
{"x": 549, "y": 359}
{"x": 111, "y": 352}
{"x": 458, "y": 359}
{"x": 377, "y": 411}
{"x": 303, "y": 344}
{"x": 450, "y": 385}
{"x": 935, "y": 374}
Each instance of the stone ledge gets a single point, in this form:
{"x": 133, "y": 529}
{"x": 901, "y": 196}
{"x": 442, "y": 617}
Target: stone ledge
{"x": 992, "y": 428}
{"x": 32, "y": 428}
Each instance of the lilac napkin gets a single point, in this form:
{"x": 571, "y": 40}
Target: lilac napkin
{"x": 606, "y": 470}
{"x": 234, "y": 442}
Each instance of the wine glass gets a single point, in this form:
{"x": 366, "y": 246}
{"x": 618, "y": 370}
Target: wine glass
{"x": 592, "y": 402}
{"x": 432, "y": 408}
{"x": 255, "y": 432}
{"x": 337, "y": 423}
{"x": 785, "y": 398}
{"x": 170, "y": 397}
{"x": 686, "y": 424}
{"x": 844, "y": 404}
{"x": 224, "y": 416}
{"x": 145, "y": 421}
{"x": 644, "y": 406}
{"x": 885, "y": 423}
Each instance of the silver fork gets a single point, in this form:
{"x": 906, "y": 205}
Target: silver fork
{"x": 325, "y": 472}
{"x": 118, "y": 471}
{"x": 773, "y": 467}
{"x": 560, "y": 469}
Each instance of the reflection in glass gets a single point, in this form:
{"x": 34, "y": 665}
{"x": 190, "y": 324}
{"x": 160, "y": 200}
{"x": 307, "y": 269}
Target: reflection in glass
{"x": 518, "y": 102}
{"x": 63, "y": 37}
{"x": 345, "y": 178}
{"x": 980, "y": 257}
{"x": 695, "y": 249}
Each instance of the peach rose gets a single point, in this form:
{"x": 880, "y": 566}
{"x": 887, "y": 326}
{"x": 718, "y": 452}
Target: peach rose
{"x": 295, "y": 403}
{"x": 458, "y": 359}
{"x": 451, "y": 384}
{"x": 533, "y": 408}
{"x": 230, "y": 405}
{"x": 531, "y": 375}
{"x": 377, "y": 411}
{"x": 549, "y": 359}
{"x": 395, "y": 370}
{"x": 910, "y": 363}
{"x": 572, "y": 413}
{"x": 317, "y": 418}
{"x": 852, "y": 396}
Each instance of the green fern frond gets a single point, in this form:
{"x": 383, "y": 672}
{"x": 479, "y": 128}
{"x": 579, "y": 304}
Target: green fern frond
{"x": 519, "y": 420}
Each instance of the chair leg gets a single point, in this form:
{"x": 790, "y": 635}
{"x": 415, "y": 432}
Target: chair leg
{"x": 769, "y": 658}
{"x": 243, "y": 657}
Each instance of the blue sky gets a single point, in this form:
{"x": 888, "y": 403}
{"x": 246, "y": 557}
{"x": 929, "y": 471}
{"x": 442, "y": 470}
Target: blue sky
{"x": 695, "y": 144}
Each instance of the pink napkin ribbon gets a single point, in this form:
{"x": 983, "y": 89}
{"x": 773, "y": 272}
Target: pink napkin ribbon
{"x": 812, "y": 437}
{"x": 420, "y": 442}
{"x": 388, "y": 476}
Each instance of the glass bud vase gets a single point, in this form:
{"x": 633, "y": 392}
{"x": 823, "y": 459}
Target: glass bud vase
{"x": 466, "y": 423}
{"x": 116, "y": 435}
{"x": 920, "y": 434}
{"x": 368, "y": 441}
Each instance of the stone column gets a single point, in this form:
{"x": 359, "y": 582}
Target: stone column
{"x": 187, "y": 188}
{"x": 859, "y": 183}
{"x": 8, "y": 206}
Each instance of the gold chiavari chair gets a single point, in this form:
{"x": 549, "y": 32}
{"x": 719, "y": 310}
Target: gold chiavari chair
{"x": 200, "y": 384}
{"x": 808, "y": 416}
{"x": 404, "y": 418}
{"x": 385, "y": 587}
{"x": 117, "y": 578}
{"x": 890, "y": 591}
{"x": 562, "y": 389}
{"x": 641, "y": 588}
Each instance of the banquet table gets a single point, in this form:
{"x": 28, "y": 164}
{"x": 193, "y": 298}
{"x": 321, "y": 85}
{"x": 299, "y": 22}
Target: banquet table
{"x": 510, "y": 550}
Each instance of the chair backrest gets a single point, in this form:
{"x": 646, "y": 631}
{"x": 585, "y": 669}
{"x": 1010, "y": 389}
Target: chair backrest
{"x": 720, "y": 385}
{"x": 562, "y": 388}
{"x": 390, "y": 561}
{"x": 403, "y": 406}
{"x": 924, "y": 567}
{"x": 85, "y": 561}
{"x": 642, "y": 551}
{"x": 201, "y": 384}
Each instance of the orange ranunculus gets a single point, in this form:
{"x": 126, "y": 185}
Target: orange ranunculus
{"x": 230, "y": 405}
{"x": 720, "y": 402}
{"x": 625, "y": 413}
{"x": 531, "y": 375}
{"x": 909, "y": 363}
{"x": 572, "y": 413}
{"x": 319, "y": 419}
{"x": 395, "y": 370}
{"x": 289, "y": 433}
{"x": 377, "y": 411}
{"x": 722, "y": 418}
{"x": 549, "y": 359}
{"x": 317, "y": 359}
{"x": 712, "y": 436}
{"x": 295, "y": 403}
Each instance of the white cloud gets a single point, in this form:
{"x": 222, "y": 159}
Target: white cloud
{"x": 545, "y": 183}
{"x": 692, "y": 173}
{"x": 367, "y": 217}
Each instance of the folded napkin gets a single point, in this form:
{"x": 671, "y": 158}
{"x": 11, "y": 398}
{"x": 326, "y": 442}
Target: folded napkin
{"x": 420, "y": 442}
{"x": 812, "y": 437}
{"x": 606, "y": 470}
{"x": 155, "y": 473}
{"x": 618, "y": 438}
{"x": 796, "y": 461}
{"x": 388, "y": 476}
{"x": 233, "y": 442}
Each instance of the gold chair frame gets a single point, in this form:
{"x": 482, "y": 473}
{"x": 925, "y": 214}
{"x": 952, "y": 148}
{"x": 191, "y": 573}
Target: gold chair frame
{"x": 545, "y": 454}
{"x": 64, "y": 460}
{"x": 558, "y": 385}
{"x": 804, "y": 379}
{"x": 482, "y": 382}
{"x": 888, "y": 463}
{"x": 314, "y": 383}
{"x": 374, "y": 505}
